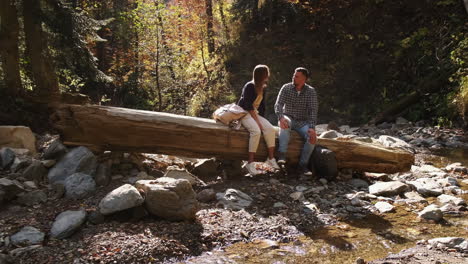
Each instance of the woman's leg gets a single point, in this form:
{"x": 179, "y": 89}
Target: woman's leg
{"x": 269, "y": 133}
{"x": 251, "y": 125}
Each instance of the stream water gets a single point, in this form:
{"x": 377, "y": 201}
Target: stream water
{"x": 370, "y": 238}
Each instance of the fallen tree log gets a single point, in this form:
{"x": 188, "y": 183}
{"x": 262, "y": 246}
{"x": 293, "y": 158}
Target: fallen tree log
{"x": 120, "y": 129}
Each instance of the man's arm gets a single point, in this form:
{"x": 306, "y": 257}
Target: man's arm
{"x": 314, "y": 109}
{"x": 280, "y": 103}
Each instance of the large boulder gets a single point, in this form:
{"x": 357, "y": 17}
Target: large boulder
{"x": 79, "y": 159}
{"x": 122, "y": 198}
{"x": 171, "y": 199}
{"x": 17, "y": 137}
{"x": 7, "y": 157}
{"x": 388, "y": 188}
{"x": 445, "y": 199}
{"x": 234, "y": 199}
{"x": 393, "y": 142}
{"x": 79, "y": 185}
{"x": 323, "y": 162}
{"x": 206, "y": 169}
{"x": 28, "y": 235}
{"x": 66, "y": 223}
{"x": 176, "y": 173}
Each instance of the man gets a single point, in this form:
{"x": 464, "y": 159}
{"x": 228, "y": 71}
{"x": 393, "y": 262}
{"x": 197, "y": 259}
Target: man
{"x": 296, "y": 108}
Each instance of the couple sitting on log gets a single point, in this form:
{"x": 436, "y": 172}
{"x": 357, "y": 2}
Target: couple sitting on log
{"x": 296, "y": 108}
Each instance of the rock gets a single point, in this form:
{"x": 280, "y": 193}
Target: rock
{"x": 358, "y": 183}
{"x": 384, "y": 207}
{"x": 7, "y": 157}
{"x": 446, "y": 242}
{"x": 447, "y": 182}
{"x": 35, "y": 172}
{"x": 206, "y": 169}
{"x": 176, "y": 173}
{"x": 414, "y": 197}
{"x": 450, "y": 208}
{"x": 330, "y": 134}
{"x": 401, "y": 121}
{"x": 19, "y": 251}
{"x": 323, "y": 162}
{"x": 234, "y": 199}
{"x": 427, "y": 186}
{"x": 11, "y": 188}
{"x": 426, "y": 168}
{"x": 27, "y": 236}
{"x": 393, "y": 142}
{"x": 79, "y": 185}
{"x": 360, "y": 261}
{"x": 79, "y": 159}
{"x": 58, "y": 190}
{"x": 206, "y": 195}
{"x": 140, "y": 176}
{"x": 279, "y": 205}
{"x": 122, "y": 198}
{"x": 55, "y": 150}
{"x": 5, "y": 259}
{"x": 168, "y": 198}
{"x": 103, "y": 173}
{"x": 388, "y": 188}
{"x": 378, "y": 176}
{"x": 30, "y": 185}
{"x": 18, "y": 137}
{"x": 431, "y": 212}
{"x": 67, "y": 223}
{"x": 445, "y": 199}
{"x": 32, "y": 198}
{"x": 456, "y": 167}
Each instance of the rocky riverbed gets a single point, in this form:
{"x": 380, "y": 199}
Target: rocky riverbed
{"x": 70, "y": 205}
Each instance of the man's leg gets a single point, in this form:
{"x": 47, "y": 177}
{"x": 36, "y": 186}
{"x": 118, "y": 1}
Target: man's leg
{"x": 307, "y": 149}
{"x": 284, "y": 136}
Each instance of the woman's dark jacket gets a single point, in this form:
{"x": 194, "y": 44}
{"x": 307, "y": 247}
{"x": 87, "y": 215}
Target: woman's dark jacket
{"x": 248, "y": 97}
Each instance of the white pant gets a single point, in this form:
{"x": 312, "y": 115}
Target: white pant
{"x": 268, "y": 131}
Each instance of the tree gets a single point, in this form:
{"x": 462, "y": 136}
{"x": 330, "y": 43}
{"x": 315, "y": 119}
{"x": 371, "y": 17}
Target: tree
{"x": 209, "y": 26}
{"x": 9, "y": 46}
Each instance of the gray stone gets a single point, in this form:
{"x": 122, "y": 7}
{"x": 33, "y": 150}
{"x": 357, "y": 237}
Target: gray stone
{"x": 7, "y": 157}
{"x": 32, "y": 198}
{"x": 358, "y": 183}
{"x": 27, "y": 236}
{"x": 450, "y": 208}
{"x": 431, "y": 212}
{"x": 103, "y": 173}
{"x": 447, "y": 182}
{"x": 427, "y": 186}
{"x": 426, "y": 168}
{"x": 122, "y": 198}
{"x": 79, "y": 159}
{"x": 30, "y": 185}
{"x": 206, "y": 169}
{"x": 176, "y": 173}
{"x": 11, "y": 188}
{"x": 35, "y": 172}
{"x": 49, "y": 163}
{"x": 206, "y": 195}
{"x": 279, "y": 205}
{"x": 55, "y": 150}
{"x": 401, "y": 121}
{"x": 414, "y": 197}
{"x": 297, "y": 196}
{"x": 79, "y": 185}
{"x": 384, "y": 207}
{"x": 140, "y": 176}
{"x": 330, "y": 134}
{"x": 18, "y": 137}
{"x": 393, "y": 142}
{"x": 96, "y": 218}
{"x": 67, "y": 223}
{"x": 456, "y": 167}
{"x": 445, "y": 199}
{"x": 168, "y": 198}
{"x": 234, "y": 199}
{"x": 5, "y": 259}
{"x": 388, "y": 188}
{"x": 20, "y": 251}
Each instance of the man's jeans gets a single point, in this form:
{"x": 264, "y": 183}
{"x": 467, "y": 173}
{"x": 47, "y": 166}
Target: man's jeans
{"x": 284, "y": 136}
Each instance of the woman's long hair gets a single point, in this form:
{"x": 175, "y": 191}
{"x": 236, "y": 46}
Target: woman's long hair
{"x": 260, "y": 73}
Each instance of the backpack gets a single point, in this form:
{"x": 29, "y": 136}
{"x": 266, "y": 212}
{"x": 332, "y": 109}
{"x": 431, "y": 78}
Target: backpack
{"x": 228, "y": 113}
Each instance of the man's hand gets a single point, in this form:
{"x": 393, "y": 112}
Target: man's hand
{"x": 312, "y": 136}
{"x": 283, "y": 123}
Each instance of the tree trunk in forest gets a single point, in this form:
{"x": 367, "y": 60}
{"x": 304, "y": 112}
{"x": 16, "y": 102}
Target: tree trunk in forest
{"x": 9, "y": 46}
{"x": 209, "y": 26}
{"x": 391, "y": 113}
{"x": 43, "y": 72}
{"x": 223, "y": 20}
{"x": 120, "y": 129}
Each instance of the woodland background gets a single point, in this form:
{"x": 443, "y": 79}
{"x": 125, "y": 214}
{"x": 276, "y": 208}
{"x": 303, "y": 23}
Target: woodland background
{"x": 370, "y": 60}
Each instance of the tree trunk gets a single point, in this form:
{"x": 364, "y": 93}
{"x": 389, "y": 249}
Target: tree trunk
{"x": 121, "y": 129}
{"x": 223, "y": 20}
{"x": 209, "y": 26}
{"x": 9, "y": 46}
{"x": 43, "y": 72}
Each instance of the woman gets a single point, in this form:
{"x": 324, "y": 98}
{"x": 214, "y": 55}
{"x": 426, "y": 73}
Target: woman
{"x": 251, "y": 100}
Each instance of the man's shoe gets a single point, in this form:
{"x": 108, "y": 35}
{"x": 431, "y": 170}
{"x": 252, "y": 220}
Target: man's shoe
{"x": 272, "y": 163}
{"x": 282, "y": 158}
{"x": 306, "y": 171}
{"x": 251, "y": 168}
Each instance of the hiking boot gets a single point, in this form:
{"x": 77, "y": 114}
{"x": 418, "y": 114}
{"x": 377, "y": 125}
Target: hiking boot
{"x": 251, "y": 168}
{"x": 272, "y": 163}
{"x": 282, "y": 158}
{"x": 305, "y": 171}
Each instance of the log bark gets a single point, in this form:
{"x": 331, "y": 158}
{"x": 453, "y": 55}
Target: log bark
{"x": 120, "y": 129}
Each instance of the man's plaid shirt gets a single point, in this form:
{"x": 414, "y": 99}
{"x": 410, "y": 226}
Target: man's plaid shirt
{"x": 301, "y": 108}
